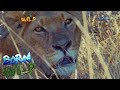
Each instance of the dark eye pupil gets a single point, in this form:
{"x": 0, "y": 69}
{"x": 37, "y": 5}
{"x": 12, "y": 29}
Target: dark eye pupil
{"x": 39, "y": 29}
{"x": 68, "y": 21}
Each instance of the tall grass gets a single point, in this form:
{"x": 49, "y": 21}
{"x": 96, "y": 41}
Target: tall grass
{"x": 99, "y": 52}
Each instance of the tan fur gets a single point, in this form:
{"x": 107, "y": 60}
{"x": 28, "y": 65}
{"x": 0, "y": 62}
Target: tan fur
{"x": 40, "y": 44}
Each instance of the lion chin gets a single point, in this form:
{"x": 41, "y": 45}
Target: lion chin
{"x": 65, "y": 66}
{"x": 66, "y": 71}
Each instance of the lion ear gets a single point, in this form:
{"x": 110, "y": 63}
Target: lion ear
{"x": 77, "y": 14}
{"x": 14, "y": 14}
{"x": 13, "y": 20}
{"x": 11, "y": 17}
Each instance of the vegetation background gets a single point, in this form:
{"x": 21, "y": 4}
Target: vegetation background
{"x": 99, "y": 52}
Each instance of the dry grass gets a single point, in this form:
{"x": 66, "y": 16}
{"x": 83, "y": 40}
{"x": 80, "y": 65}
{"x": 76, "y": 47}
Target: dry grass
{"x": 99, "y": 53}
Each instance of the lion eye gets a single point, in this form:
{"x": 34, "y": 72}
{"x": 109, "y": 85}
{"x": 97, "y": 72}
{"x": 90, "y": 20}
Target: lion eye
{"x": 39, "y": 29}
{"x": 68, "y": 21}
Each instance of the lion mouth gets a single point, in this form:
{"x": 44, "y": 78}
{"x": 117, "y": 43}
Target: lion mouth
{"x": 65, "y": 61}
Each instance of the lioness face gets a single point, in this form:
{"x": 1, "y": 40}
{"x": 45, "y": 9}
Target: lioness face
{"x": 55, "y": 35}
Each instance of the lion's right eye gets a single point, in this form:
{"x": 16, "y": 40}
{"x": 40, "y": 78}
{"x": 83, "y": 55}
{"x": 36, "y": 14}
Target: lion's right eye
{"x": 39, "y": 30}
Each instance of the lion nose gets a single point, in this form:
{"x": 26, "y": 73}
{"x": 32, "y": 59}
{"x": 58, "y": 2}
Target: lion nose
{"x": 60, "y": 39}
{"x": 61, "y": 42}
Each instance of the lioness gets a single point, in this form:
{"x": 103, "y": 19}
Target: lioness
{"x": 53, "y": 34}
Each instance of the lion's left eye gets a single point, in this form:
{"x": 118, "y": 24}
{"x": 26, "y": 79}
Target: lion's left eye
{"x": 68, "y": 21}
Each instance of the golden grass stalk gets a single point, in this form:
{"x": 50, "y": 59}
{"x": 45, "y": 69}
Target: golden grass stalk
{"x": 0, "y": 57}
{"x": 93, "y": 47}
{"x": 90, "y": 60}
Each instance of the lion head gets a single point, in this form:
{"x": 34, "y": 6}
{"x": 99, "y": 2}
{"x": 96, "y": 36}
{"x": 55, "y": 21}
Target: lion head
{"x": 53, "y": 34}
